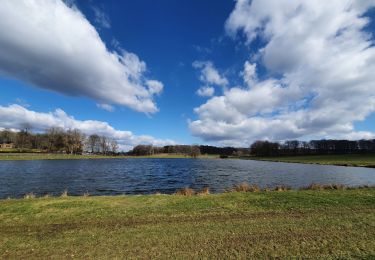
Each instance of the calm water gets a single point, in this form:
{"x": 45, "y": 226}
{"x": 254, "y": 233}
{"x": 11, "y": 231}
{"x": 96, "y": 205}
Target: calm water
{"x": 143, "y": 176}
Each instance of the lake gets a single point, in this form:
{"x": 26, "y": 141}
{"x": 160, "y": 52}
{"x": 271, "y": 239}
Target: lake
{"x": 145, "y": 176}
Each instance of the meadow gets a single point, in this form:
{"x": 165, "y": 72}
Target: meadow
{"x": 265, "y": 224}
{"x": 357, "y": 160}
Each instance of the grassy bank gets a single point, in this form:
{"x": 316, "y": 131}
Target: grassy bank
{"x": 46, "y": 156}
{"x": 358, "y": 160}
{"x": 309, "y": 224}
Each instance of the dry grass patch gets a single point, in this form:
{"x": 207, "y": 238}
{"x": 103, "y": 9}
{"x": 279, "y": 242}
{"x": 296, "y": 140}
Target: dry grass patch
{"x": 185, "y": 192}
{"x": 64, "y": 194}
{"x": 204, "y": 191}
{"x": 282, "y": 188}
{"x": 242, "y": 187}
{"x": 30, "y": 196}
{"x": 245, "y": 187}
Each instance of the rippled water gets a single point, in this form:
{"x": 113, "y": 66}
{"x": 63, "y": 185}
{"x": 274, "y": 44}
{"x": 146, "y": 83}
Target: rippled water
{"x": 144, "y": 176}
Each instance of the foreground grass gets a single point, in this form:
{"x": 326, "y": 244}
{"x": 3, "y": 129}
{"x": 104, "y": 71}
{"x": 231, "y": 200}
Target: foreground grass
{"x": 47, "y": 156}
{"x": 359, "y": 160}
{"x": 307, "y": 224}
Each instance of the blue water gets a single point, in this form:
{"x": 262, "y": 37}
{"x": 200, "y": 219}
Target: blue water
{"x": 145, "y": 176}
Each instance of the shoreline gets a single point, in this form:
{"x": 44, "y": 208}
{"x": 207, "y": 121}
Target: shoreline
{"x": 316, "y": 163}
{"x": 188, "y": 192}
{"x": 345, "y": 160}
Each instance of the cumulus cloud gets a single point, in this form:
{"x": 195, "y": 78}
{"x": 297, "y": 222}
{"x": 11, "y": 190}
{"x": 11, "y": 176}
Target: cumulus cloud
{"x": 321, "y": 61}
{"x": 206, "y": 91}
{"x": 154, "y": 86}
{"x": 15, "y": 117}
{"x": 249, "y": 73}
{"x": 51, "y": 45}
{"x": 106, "y": 107}
{"x": 209, "y": 74}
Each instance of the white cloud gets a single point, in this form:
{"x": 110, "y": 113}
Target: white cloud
{"x": 106, "y": 107}
{"x": 249, "y": 73}
{"x": 323, "y": 61}
{"x": 16, "y": 116}
{"x": 154, "y": 86}
{"x": 206, "y": 91}
{"x": 209, "y": 73}
{"x": 101, "y": 17}
{"x": 53, "y": 46}
{"x": 22, "y": 102}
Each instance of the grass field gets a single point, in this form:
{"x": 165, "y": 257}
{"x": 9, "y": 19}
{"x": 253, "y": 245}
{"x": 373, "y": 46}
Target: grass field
{"x": 291, "y": 224}
{"x": 360, "y": 160}
{"x": 46, "y": 156}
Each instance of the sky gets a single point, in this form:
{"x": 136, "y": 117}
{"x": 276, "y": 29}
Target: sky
{"x": 163, "y": 72}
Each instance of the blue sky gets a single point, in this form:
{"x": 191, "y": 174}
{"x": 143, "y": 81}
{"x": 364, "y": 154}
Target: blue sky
{"x": 233, "y": 40}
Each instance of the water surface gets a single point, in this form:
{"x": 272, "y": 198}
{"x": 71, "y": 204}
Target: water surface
{"x": 145, "y": 176}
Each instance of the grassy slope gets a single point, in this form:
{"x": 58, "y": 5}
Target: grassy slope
{"x": 43, "y": 156}
{"x": 317, "y": 224}
{"x": 364, "y": 160}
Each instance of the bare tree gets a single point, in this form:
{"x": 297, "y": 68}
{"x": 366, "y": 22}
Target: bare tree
{"x": 73, "y": 141}
{"x": 104, "y": 145}
{"x": 114, "y": 146}
{"x": 195, "y": 151}
{"x": 23, "y": 137}
{"x": 93, "y": 143}
{"x": 56, "y": 139}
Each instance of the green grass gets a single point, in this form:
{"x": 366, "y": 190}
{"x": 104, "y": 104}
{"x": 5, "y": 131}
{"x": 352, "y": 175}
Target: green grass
{"x": 18, "y": 150}
{"x": 361, "y": 160}
{"x": 292, "y": 224}
{"x": 8, "y": 150}
{"x": 47, "y": 156}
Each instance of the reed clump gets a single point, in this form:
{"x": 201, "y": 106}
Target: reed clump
{"x": 204, "y": 191}
{"x": 242, "y": 187}
{"x": 30, "y": 195}
{"x": 64, "y": 194}
{"x": 254, "y": 188}
{"x": 185, "y": 192}
{"x": 245, "y": 187}
{"x": 282, "y": 188}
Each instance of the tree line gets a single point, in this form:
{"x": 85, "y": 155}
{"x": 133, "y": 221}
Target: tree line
{"x": 58, "y": 140}
{"x": 73, "y": 141}
{"x": 295, "y": 147}
{"x": 188, "y": 150}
